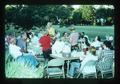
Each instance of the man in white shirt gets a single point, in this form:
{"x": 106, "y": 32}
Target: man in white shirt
{"x": 58, "y": 46}
{"x": 61, "y": 48}
{"x": 16, "y": 53}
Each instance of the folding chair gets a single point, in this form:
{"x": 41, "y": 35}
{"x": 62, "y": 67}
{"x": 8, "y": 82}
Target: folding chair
{"x": 106, "y": 66}
{"x": 55, "y": 68}
{"x": 88, "y": 69}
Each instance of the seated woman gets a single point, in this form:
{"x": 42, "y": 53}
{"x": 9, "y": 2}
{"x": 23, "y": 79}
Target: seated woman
{"x": 21, "y": 57}
{"x": 105, "y": 60}
{"x": 85, "y": 43}
{"x": 97, "y": 42}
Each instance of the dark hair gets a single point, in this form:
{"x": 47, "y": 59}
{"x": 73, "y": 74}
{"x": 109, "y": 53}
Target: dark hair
{"x": 86, "y": 41}
{"x": 83, "y": 33}
{"x": 107, "y": 44}
{"x": 99, "y": 39}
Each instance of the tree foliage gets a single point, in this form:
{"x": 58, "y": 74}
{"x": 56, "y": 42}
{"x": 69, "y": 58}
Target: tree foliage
{"x": 88, "y": 13}
{"x": 29, "y": 15}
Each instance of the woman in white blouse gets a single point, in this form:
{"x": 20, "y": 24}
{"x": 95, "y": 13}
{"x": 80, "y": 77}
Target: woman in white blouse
{"x": 97, "y": 43}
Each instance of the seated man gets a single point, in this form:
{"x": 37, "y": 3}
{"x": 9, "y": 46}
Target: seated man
{"x": 22, "y": 42}
{"x": 25, "y": 58}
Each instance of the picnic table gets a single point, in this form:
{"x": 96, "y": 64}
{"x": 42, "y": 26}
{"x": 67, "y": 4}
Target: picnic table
{"x": 77, "y": 56}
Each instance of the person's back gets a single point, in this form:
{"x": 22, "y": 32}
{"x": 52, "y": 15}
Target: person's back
{"x": 96, "y": 44}
{"x": 45, "y": 41}
{"x": 74, "y": 38}
{"x": 105, "y": 60}
{"x": 21, "y": 43}
{"x": 57, "y": 47}
{"x": 88, "y": 58}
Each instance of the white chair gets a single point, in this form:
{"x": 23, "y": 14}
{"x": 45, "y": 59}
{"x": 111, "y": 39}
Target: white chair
{"x": 88, "y": 69}
{"x": 55, "y": 68}
{"x": 106, "y": 67}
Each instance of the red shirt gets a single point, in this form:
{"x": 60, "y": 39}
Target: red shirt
{"x": 45, "y": 41}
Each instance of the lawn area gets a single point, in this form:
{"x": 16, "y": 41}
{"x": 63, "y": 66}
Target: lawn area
{"x": 13, "y": 69}
{"x": 91, "y": 31}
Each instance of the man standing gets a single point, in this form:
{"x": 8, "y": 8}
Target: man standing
{"x": 74, "y": 36}
{"x": 45, "y": 41}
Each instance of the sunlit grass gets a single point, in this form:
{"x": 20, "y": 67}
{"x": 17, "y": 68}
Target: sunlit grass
{"x": 91, "y": 31}
{"x": 14, "y": 69}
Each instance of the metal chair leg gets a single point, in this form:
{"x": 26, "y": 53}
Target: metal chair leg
{"x": 102, "y": 75}
{"x": 95, "y": 75}
{"x": 78, "y": 75}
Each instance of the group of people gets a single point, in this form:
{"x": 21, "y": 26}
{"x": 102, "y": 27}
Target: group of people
{"x": 53, "y": 42}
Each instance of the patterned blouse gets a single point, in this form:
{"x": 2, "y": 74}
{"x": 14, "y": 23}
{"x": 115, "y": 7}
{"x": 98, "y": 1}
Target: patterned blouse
{"x": 105, "y": 60}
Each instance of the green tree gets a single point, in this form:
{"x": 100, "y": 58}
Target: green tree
{"x": 77, "y": 16}
{"x": 88, "y": 13}
{"x": 105, "y": 13}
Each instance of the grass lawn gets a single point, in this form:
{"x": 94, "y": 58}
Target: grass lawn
{"x": 13, "y": 69}
{"x": 91, "y": 31}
